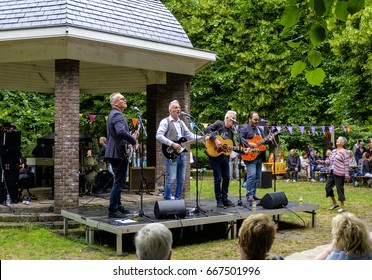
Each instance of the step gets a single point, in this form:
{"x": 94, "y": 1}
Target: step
{"x": 29, "y": 217}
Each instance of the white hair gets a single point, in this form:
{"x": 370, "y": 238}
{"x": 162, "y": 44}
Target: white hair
{"x": 153, "y": 242}
{"x": 228, "y": 113}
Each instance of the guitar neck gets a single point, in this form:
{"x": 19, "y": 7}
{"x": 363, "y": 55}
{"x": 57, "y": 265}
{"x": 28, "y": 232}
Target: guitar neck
{"x": 193, "y": 140}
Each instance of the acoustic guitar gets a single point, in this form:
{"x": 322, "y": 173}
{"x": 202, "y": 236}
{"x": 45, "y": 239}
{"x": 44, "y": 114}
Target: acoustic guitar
{"x": 171, "y": 153}
{"x": 260, "y": 142}
{"x": 226, "y": 149}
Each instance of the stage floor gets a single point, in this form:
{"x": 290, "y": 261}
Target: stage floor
{"x": 95, "y": 217}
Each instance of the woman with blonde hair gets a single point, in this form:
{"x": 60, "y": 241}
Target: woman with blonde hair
{"x": 351, "y": 240}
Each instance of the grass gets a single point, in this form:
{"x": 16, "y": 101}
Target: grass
{"x": 38, "y": 243}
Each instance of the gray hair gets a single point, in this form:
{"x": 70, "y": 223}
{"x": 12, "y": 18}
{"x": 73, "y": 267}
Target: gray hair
{"x": 228, "y": 113}
{"x": 344, "y": 140}
{"x": 112, "y": 98}
{"x": 173, "y": 103}
{"x": 153, "y": 242}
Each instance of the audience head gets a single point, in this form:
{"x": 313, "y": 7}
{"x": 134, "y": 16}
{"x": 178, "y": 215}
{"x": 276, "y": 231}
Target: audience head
{"x": 256, "y": 236}
{"x": 350, "y": 235}
{"x": 153, "y": 242}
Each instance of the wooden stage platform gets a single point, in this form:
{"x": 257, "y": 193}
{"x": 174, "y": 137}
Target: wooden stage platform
{"x": 95, "y": 217}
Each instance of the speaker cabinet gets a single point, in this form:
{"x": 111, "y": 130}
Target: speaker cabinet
{"x": 266, "y": 180}
{"x": 274, "y": 200}
{"x": 135, "y": 178}
{"x": 170, "y": 209}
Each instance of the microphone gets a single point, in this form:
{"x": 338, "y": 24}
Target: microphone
{"x": 263, "y": 120}
{"x": 136, "y": 109}
{"x": 185, "y": 114}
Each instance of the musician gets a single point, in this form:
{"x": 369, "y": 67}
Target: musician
{"x": 118, "y": 136}
{"x": 247, "y": 132}
{"x": 170, "y": 130}
{"x": 221, "y": 164}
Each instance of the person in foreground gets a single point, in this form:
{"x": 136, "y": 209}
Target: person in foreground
{"x": 118, "y": 136}
{"x": 338, "y": 174}
{"x": 351, "y": 240}
{"x": 170, "y": 131}
{"x": 256, "y": 236}
{"x": 154, "y": 242}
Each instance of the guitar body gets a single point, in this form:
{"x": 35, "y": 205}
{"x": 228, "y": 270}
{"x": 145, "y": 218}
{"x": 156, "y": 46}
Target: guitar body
{"x": 253, "y": 153}
{"x": 212, "y": 150}
{"x": 170, "y": 153}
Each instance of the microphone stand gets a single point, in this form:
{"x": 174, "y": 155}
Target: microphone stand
{"x": 196, "y": 129}
{"x": 241, "y": 171}
{"x": 141, "y": 213}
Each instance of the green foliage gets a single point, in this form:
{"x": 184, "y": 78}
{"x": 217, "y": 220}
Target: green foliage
{"x": 31, "y": 113}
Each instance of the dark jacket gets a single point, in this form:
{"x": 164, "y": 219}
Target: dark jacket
{"x": 293, "y": 161}
{"x": 118, "y": 135}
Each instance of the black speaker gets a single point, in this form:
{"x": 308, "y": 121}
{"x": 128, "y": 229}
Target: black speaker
{"x": 266, "y": 180}
{"x": 149, "y": 174}
{"x": 274, "y": 200}
{"x": 170, "y": 209}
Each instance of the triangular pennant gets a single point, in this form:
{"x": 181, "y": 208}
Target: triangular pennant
{"x": 205, "y": 125}
{"x": 80, "y": 115}
{"x": 344, "y": 128}
{"x": 348, "y": 127}
{"x": 273, "y": 128}
{"x": 261, "y": 127}
{"x": 323, "y": 128}
{"x": 92, "y": 117}
{"x": 313, "y": 129}
{"x": 134, "y": 122}
{"x": 331, "y": 128}
{"x": 302, "y": 129}
{"x": 278, "y": 128}
{"x": 290, "y": 129}
{"x": 192, "y": 125}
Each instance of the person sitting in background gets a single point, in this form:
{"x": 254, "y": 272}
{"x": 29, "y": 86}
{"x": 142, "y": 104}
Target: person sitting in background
{"x": 360, "y": 151}
{"x": 325, "y": 167}
{"x": 352, "y": 163}
{"x": 367, "y": 167}
{"x": 153, "y": 242}
{"x": 351, "y": 240}
{"x": 292, "y": 164}
{"x": 256, "y": 237}
{"x": 305, "y": 165}
{"x": 313, "y": 163}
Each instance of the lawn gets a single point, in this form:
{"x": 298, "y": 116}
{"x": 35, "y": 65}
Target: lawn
{"x": 38, "y": 243}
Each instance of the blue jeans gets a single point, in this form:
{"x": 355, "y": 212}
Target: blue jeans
{"x": 119, "y": 168}
{"x": 254, "y": 169}
{"x": 176, "y": 170}
{"x": 221, "y": 173}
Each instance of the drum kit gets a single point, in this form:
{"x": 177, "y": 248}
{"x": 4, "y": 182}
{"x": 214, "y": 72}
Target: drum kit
{"x": 95, "y": 176}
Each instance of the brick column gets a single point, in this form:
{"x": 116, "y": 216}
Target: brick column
{"x": 66, "y": 156}
{"x": 158, "y": 99}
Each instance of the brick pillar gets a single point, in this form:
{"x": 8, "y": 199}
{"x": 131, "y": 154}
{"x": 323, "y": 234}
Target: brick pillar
{"x": 66, "y": 155}
{"x": 158, "y": 99}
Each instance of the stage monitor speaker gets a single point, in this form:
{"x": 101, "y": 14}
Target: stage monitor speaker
{"x": 149, "y": 173}
{"x": 274, "y": 200}
{"x": 170, "y": 209}
{"x": 266, "y": 180}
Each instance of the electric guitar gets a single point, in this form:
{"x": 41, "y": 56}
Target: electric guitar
{"x": 128, "y": 148}
{"x": 260, "y": 142}
{"x": 171, "y": 153}
{"x": 226, "y": 149}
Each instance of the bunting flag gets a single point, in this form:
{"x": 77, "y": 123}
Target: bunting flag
{"x": 92, "y": 117}
{"x": 323, "y": 128}
{"x": 348, "y": 127}
{"x": 290, "y": 129}
{"x": 331, "y": 128}
{"x": 261, "y": 127}
{"x": 344, "y": 128}
{"x": 278, "y": 128}
{"x": 134, "y": 121}
{"x": 313, "y": 129}
{"x": 80, "y": 115}
{"x": 273, "y": 128}
{"x": 205, "y": 125}
{"x": 302, "y": 129}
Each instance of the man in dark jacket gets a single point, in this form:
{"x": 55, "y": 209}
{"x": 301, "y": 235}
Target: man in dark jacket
{"x": 118, "y": 137}
{"x": 292, "y": 164}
